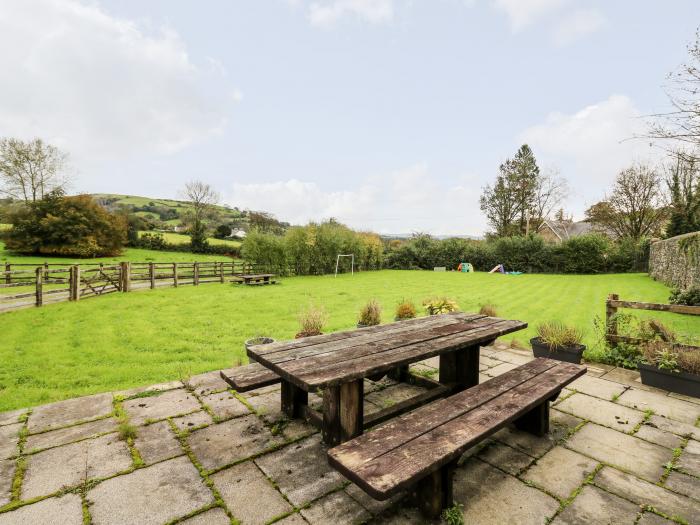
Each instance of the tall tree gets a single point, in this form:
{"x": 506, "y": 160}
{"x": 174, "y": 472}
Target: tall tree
{"x": 635, "y": 208}
{"x": 683, "y": 181}
{"x": 499, "y": 202}
{"x": 30, "y": 170}
{"x": 550, "y": 192}
{"x": 202, "y": 198}
{"x": 682, "y": 124}
{"x": 527, "y": 175}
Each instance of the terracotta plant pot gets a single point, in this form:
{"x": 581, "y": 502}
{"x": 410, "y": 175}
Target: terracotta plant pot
{"x": 569, "y": 354}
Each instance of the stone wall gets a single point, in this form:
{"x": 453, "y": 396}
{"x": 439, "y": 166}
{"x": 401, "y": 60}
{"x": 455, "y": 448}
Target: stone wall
{"x": 676, "y": 261}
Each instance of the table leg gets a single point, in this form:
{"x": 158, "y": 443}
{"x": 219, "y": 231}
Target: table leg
{"x": 460, "y": 367}
{"x": 343, "y": 414}
{"x": 293, "y": 399}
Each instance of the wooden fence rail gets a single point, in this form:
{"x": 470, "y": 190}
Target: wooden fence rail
{"x": 58, "y": 282}
{"x": 613, "y": 303}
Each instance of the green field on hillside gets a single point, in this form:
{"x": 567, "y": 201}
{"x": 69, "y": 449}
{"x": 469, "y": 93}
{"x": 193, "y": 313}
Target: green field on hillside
{"x": 145, "y": 337}
{"x": 129, "y": 254}
{"x": 179, "y": 238}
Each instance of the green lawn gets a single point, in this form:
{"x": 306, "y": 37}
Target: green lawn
{"x": 129, "y": 254}
{"x": 179, "y": 238}
{"x": 125, "y": 340}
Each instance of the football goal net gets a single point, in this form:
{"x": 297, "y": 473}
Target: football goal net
{"x": 352, "y": 262}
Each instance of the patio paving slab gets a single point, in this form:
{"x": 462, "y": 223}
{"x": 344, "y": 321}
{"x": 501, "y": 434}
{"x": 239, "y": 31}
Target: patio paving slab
{"x": 684, "y": 484}
{"x": 234, "y": 440}
{"x": 67, "y": 435}
{"x": 649, "y": 518}
{"x": 150, "y": 496}
{"x": 162, "y": 387}
{"x": 560, "y": 471}
{"x": 215, "y": 516}
{"x": 626, "y": 452}
{"x": 602, "y": 412}
{"x": 249, "y": 495}
{"x": 294, "y": 519}
{"x": 337, "y": 508}
{"x": 268, "y": 406}
{"x": 505, "y": 458}
{"x": 168, "y": 404}
{"x": 491, "y": 497}
{"x": 70, "y": 465}
{"x": 192, "y": 421}
{"x": 690, "y": 458}
{"x": 301, "y": 471}
{"x": 594, "y": 505}
{"x": 595, "y": 387}
{"x": 368, "y": 502}
{"x": 662, "y": 405}
{"x": 224, "y": 405}
{"x": 10, "y": 418}
{"x": 675, "y": 427}
{"x": 7, "y": 472}
{"x": 66, "y": 510}
{"x": 157, "y": 442}
{"x": 644, "y": 493}
{"x": 9, "y": 437}
{"x": 660, "y": 437}
{"x": 64, "y": 413}
{"x": 394, "y": 394}
{"x": 208, "y": 382}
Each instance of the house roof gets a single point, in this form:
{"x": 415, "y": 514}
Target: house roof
{"x": 566, "y": 229}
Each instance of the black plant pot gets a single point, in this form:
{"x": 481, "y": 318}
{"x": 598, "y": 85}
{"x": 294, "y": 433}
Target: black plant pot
{"x": 678, "y": 382}
{"x": 570, "y": 354}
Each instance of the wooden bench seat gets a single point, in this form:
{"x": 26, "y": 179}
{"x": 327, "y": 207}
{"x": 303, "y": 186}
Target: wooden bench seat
{"x": 422, "y": 447}
{"x": 249, "y": 377}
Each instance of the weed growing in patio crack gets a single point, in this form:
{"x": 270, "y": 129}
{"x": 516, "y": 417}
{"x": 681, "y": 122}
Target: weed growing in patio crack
{"x": 615, "y": 397}
{"x": 647, "y": 416}
{"x": 424, "y": 372}
{"x": 127, "y": 432}
{"x": 453, "y": 515}
{"x": 672, "y": 465}
{"x": 146, "y": 393}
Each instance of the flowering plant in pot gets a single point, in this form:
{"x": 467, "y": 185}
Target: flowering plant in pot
{"x": 440, "y": 305}
{"x": 671, "y": 366}
{"x": 405, "y": 310}
{"x": 311, "y": 321}
{"x": 370, "y": 315}
{"x": 555, "y": 340}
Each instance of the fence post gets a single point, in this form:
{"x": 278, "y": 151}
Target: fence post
{"x": 221, "y": 268}
{"x": 74, "y": 293}
{"x": 46, "y": 271}
{"x": 126, "y": 276}
{"x": 611, "y": 318}
{"x": 195, "y": 274}
{"x": 152, "y": 274}
{"x": 8, "y": 275}
{"x": 175, "y": 275}
{"x": 39, "y": 286}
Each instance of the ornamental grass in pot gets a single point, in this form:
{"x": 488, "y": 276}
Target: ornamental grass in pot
{"x": 370, "y": 315}
{"x": 405, "y": 310}
{"x": 671, "y": 366}
{"x": 311, "y": 321}
{"x": 555, "y": 340}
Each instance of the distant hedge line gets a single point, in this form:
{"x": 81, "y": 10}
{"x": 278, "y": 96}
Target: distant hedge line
{"x": 156, "y": 241}
{"x": 591, "y": 253}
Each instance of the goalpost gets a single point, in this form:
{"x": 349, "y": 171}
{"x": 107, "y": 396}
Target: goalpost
{"x": 352, "y": 262}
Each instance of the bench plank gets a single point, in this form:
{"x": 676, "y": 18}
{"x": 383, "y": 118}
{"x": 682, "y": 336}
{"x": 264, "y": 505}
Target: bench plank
{"x": 383, "y": 473}
{"x": 249, "y": 377}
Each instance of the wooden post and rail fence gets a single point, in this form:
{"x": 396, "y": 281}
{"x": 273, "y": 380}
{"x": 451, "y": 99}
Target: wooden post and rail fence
{"x": 61, "y": 282}
{"x": 613, "y": 304}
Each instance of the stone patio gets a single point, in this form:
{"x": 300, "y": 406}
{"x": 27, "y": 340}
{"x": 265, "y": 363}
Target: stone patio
{"x": 619, "y": 452}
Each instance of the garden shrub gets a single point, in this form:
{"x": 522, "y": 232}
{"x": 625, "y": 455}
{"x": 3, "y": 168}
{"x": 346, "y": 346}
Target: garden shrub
{"x": 371, "y": 314}
{"x": 440, "y": 305}
{"x": 405, "y": 310}
{"x": 488, "y": 310}
{"x": 689, "y": 297}
{"x": 586, "y": 254}
{"x": 311, "y": 321}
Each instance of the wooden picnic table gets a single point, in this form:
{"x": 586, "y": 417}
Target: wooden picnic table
{"x": 338, "y": 363}
{"x": 258, "y": 278}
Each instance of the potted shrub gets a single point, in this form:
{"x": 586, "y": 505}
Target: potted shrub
{"x": 557, "y": 341}
{"x": 405, "y": 310}
{"x": 672, "y": 367}
{"x": 440, "y": 305}
{"x": 488, "y": 310}
{"x": 258, "y": 341}
{"x": 311, "y": 322}
{"x": 370, "y": 315}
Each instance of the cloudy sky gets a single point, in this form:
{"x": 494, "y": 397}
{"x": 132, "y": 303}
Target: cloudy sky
{"x": 387, "y": 114}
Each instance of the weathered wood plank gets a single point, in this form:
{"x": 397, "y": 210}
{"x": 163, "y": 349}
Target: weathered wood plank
{"x": 351, "y": 409}
{"x": 249, "y": 377}
{"x": 399, "y": 467}
{"x": 674, "y": 308}
{"x": 293, "y": 400}
{"x": 331, "y": 416}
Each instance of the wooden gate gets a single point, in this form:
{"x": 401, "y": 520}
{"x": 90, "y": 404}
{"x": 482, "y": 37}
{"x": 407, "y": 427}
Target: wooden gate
{"x": 95, "y": 281}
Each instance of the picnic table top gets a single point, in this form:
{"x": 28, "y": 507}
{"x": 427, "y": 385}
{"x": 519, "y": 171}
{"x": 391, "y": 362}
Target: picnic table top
{"x": 257, "y": 275}
{"x": 337, "y": 358}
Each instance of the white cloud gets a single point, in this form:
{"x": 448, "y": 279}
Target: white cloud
{"x": 591, "y": 146}
{"x": 401, "y": 202}
{"x": 523, "y": 13}
{"x": 577, "y": 24}
{"x": 100, "y": 86}
{"x": 325, "y": 14}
